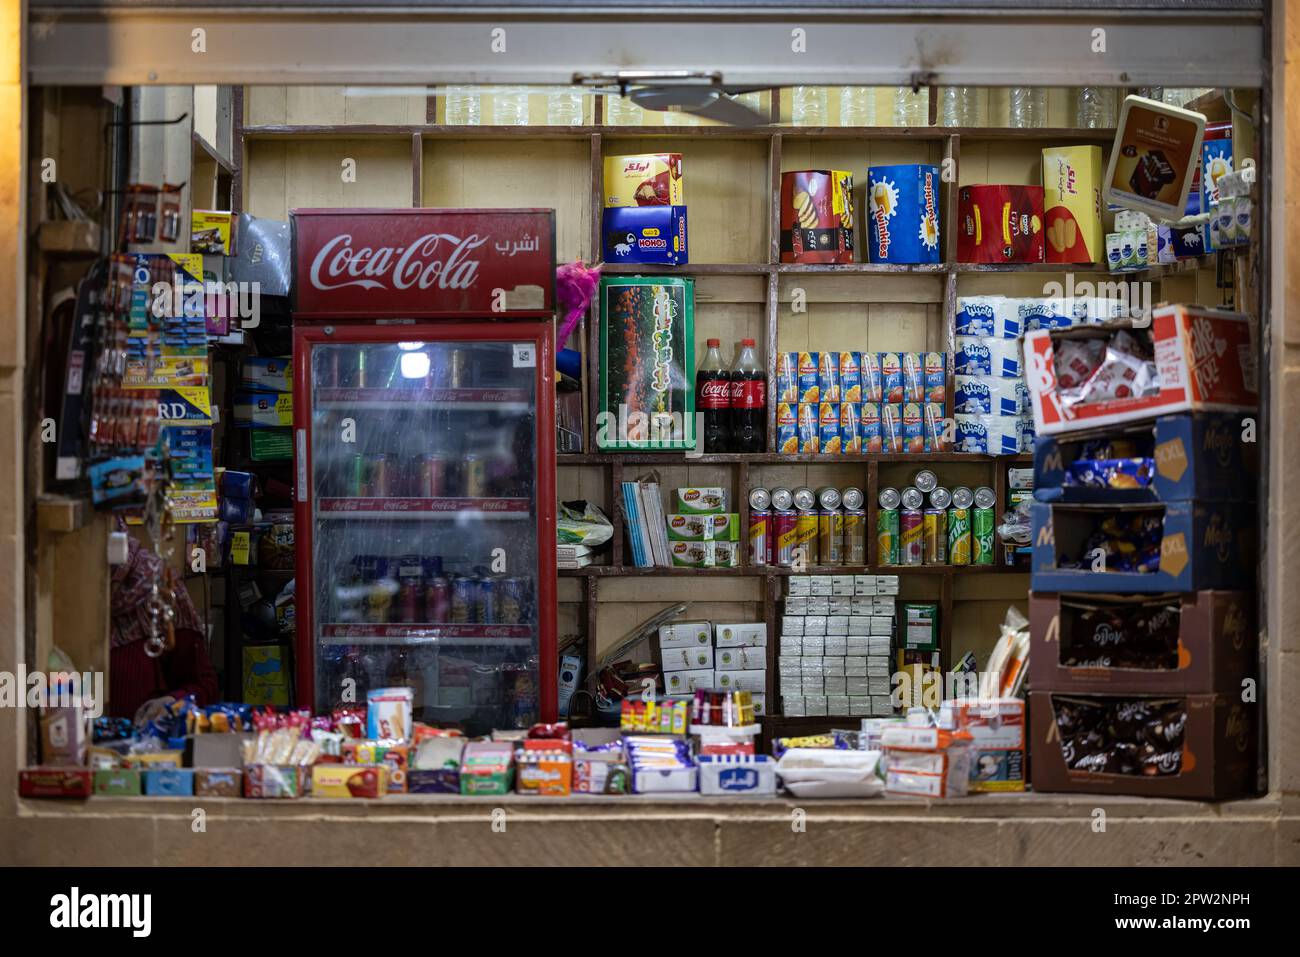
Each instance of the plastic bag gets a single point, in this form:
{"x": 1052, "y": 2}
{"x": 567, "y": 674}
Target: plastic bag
{"x": 831, "y": 773}
{"x": 581, "y": 523}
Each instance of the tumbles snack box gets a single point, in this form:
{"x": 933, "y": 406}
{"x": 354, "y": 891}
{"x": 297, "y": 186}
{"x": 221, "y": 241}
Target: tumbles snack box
{"x": 817, "y": 216}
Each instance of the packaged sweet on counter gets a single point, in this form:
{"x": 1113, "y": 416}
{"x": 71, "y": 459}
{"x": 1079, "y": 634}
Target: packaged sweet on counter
{"x": 349, "y": 781}
{"x": 544, "y": 766}
{"x": 997, "y": 730}
{"x": 389, "y": 713}
{"x": 1124, "y": 369}
{"x": 1121, "y": 542}
{"x": 926, "y": 761}
{"x": 487, "y": 767}
{"x": 168, "y": 782}
{"x": 277, "y": 781}
{"x": 818, "y": 771}
{"x": 600, "y": 762}
{"x": 218, "y": 782}
{"x": 660, "y": 764}
{"x": 817, "y": 216}
{"x": 737, "y": 774}
{"x": 435, "y": 767}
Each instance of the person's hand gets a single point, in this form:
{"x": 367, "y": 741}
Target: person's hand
{"x": 152, "y": 709}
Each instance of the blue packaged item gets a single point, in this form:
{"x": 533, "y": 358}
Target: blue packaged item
{"x": 1194, "y": 457}
{"x": 903, "y": 213}
{"x": 1045, "y": 313}
{"x": 645, "y": 234}
{"x": 1216, "y": 159}
{"x": 117, "y": 481}
{"x": 984, "y": 356}
{"x": 169, "y": 782}
{"x": 988, "y": 316}
{"x": 987, "y": 434}
{"x": 1173, "y": 546}
{"x": 989, "y": 395}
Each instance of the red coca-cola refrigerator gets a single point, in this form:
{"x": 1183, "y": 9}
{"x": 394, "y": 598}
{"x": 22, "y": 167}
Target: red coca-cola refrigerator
{"x": 424, "y": 397}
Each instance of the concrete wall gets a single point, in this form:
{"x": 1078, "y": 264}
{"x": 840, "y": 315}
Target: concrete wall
{"x": 1036, "y": 829}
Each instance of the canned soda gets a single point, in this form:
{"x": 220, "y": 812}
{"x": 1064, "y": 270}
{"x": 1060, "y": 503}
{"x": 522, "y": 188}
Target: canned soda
{"x": 982, "y": 542}
{"x": 911, "y": 533}
{"x": 782, "y": 499}
{"x": 852, "y": 497}
{"x": 485, "y": 606}
{"x": 760, "y": 537}
{"x": 787, "y": 377}
{"x": 855, "y": 536}
{"x": 959, "y": 543}
{"x": 887, "y": 528}
{"x": 806, "y": 535}
{"x": 828, "y": 497}
{"x": 830, "y": 536}
{"x": 912, "y": 497}
{"x": 889, "y": 498}
{"x": 376, "y": 472}
{"x": 437, "y": 600}
{"x": 458, "y": 369}
{"x": 936, "y": 536}
{"x": 962, "y": 497}
{"x": 760, "y": 499}
{"x": 940, "y": 498}
{"x": 512, "y": 601}
{"x": 804, "y": 498}
{"x": 985, "y": 497}
{"x": 785, "y": 532}
{"x": 358, "y": 480}
{"x": 926, "y": 481}
{"x": 474, "y": 469}
{"x": 464, "y": 599}
{"x": 432, "y": 476}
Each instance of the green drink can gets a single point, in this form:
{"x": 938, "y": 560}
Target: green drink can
{"x": 887, "y": 544}
{"x": 959, "y": 537}
{"x": 982, "y": 535}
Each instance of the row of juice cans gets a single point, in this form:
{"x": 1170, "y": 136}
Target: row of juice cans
{"x": 935, "y": 527}
{"x": 849, "y": 428}
{"x": 808, "y": 378}
{"x": 789, "y": 527}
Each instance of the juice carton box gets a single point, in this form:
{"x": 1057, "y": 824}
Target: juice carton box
{"x": 869, "y": 427}
{"x": 828, "y": 376}
{"x": 787, "y": 428}
{"x": 850, "y": 376}
{"x": 891, "y": 377}
{"x": 828, "y": 428}
{"x": 809, "y": 378}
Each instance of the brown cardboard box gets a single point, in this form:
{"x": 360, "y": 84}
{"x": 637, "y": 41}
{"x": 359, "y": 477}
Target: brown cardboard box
{"x": 1216, "y": 647}
{"x": 1217, "y": 758}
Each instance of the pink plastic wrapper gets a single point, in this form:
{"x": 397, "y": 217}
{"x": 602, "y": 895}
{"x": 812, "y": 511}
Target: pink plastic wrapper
{"x": 1124, "y": 372}
{"x": 1077, "y": 360}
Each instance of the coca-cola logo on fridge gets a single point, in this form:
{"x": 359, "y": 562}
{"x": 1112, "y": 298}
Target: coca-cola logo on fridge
{"x": 423, "y": 263}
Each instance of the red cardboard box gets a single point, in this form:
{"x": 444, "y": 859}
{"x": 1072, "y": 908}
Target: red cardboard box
{"x": 1216, "y": 760}
{"x": 1084, "y": 643}
{"x": 1205, "y": 359}
{"x": 817, "y": 216}
{"x": 55, "y": 782}
{"x": 1000, "y": 224}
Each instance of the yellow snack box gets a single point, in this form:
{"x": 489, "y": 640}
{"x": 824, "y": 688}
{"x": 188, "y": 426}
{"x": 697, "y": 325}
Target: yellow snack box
{"x": 210, "y": 232}
{"x": 1072, "y": 204}
{"x": 644, "y": 179}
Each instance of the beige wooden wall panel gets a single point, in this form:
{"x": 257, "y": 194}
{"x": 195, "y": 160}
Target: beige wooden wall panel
{"x": 327, "y": 105}
{"x": 553, "y": 174}
{"x": 726, "y": 192}
{"x": 308, "y": 173}
{"x": 875, "y": 313}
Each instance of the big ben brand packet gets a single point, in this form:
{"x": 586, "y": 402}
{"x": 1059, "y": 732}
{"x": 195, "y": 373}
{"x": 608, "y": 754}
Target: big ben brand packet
{"x": 644, "y": 179}
{"x": 1000, "y": 224}
{"x": 1157, "y": 148}
{"x": 1072, "y": 202}
{"x": 903, "y": 219}
{"x": 817, "y": 216}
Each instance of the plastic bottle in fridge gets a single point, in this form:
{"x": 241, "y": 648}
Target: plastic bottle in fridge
{"x": 748, "y": 401}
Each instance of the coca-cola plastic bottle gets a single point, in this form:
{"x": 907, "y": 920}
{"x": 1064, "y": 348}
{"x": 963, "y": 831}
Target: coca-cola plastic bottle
{"x": 713, "y": 399}
{"x": 748, "y": 401}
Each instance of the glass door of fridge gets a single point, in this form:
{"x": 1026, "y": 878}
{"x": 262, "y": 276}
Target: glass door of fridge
{"x": 424, "y": 527}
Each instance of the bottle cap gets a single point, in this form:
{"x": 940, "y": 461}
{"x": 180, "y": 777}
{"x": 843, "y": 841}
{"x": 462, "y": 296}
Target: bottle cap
{"x": 713, "y": 343}
{"x": 746, "y": 342}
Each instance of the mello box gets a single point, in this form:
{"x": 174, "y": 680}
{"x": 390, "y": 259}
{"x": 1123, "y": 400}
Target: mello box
{"x": 1205, "y": 362}
{"x": 1174, "y": 458}
{"x": 1171, "y": 546}
{"x": 903, "y": 219}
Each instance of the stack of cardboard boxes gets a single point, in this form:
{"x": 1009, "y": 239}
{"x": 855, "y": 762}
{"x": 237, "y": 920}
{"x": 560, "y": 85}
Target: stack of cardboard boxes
{"x": 1143, "y": 646}
{"x": 692, "y": 662}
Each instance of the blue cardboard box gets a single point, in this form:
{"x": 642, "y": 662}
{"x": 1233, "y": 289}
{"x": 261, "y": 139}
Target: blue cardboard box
{"x": 169, "y": 782}
{"x": 1203, "y": 545}
{"x": 1191, "y": 457}
{"x": 1216, "y": 159}
{"x": 645, "y": 234}
{"x": 903, "y": 213}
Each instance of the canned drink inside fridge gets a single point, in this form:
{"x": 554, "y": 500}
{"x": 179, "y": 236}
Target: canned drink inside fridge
{"x": 376, "y": 475}
{"x": 911, "y": 532}
{"x": 458, "y": 369}
{"x": 828, "y": 497}
{"x": 512, "y": 600}
{"x": 782, "y": 499}
{"x": 760, "y": 537}
{"x": 830, "y": 536}
{"x": 785, "y": 530}
{"x": 912, "y": 497}
{"x": 806, "y": 536}
{"x": 464, "y": 599}
{"x": 804, "y": 498}
{"x": 962, "y": 497}
{"x": 486, "y": 610}
{"x": 982, "y": 541}
{"x": 437, "y": 600}
{"x": 852, "y": 498}
{"x": 358, "y": 480}
{"x": 940, "y": 498}
{"x": 432, "y": 476}
{"x": 474, "y": 469}
{"x": 936, "y": 536}
{"x": 959, "y": 543}
{"x": 760, "y": 499}
{"x": 985, "y": 497}
{"x": 889, "y": 498}
{"x": 887, "y": 532}
{"x": 855, "y": 536}
{"x": 926, "y": 481}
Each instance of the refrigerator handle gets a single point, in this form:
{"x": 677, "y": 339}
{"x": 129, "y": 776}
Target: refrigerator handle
{"x": 301, "y": 455}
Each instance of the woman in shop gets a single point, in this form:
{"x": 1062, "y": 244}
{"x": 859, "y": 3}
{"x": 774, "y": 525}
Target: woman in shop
{"x": 141, "y": 685}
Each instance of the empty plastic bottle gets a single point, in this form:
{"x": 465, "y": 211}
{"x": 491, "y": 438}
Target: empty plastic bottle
{"x": 1027, "y": 107}
{"x": 857, "y": 106}
{"x": 808, "y": 106}
{"x": 510, "y": 106}
{"x": 911, "y": 108}
{"x": 462, "y": 106}
{"x": 621, "y": 111}
{"x": 564, "y": 108}
{"x": 1094, "y": 108}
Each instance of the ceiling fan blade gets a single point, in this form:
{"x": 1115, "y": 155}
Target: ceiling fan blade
{"x": 726, "y": 110}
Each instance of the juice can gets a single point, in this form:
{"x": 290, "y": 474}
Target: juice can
{"x": 432, "y": 475}
{"x": 760, "y": 537}
{"x": 910, "y": 534}
{"x": 376, "y": 473}
{"x": 887, "y": 527}
{"x": 850, "y": 376}
{"x": 830, "y": 536}
{"x": 358, "y": 481}
{"x": 437, "y": 600}
{"x": 512, "y": 601}
{"x": 464, "y": 599}
{"x": 855, "y": 536}
{"x": 936, "y": 536}
{"x": 982, "y": 539}
{"x": 850, "y": 427}
{"x": 486, "y": 601}
{"x": 828, "y": 376}
{"x": 806, "y": 526}
{"x": 959, "y": 537}
{"x": 787, "y": 377}
{"x": 784, "y": 532}
{"x": 474, "y": 469}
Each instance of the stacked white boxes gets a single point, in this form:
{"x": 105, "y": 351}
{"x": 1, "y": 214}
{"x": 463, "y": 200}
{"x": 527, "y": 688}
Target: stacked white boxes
{"x": 692, "y": 662}
{"x": 835, "y": 645}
